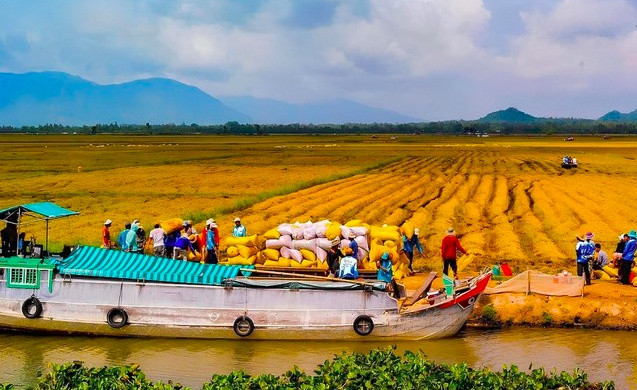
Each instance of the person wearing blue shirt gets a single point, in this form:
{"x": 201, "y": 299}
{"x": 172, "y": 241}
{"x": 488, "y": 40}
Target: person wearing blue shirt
{"x": 181, "y": 247}
{"x": 409, "y": 244}
{"x": 384, "y": 268}
{"x": 211, "y": 258}
{"x": 239, "y": 230}
{"x": 628, "y": 257}
{"x": 585, "y": 251}
{"x": 121, "y": 239}
{"x": 348, "y": 268}
{"x": 353, "y": 245}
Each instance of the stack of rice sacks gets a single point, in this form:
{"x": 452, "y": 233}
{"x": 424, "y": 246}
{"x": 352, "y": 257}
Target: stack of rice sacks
{"x": 389, "y": 239}
{"x": 306, "y": 244}
{"x": 243, "y": 250}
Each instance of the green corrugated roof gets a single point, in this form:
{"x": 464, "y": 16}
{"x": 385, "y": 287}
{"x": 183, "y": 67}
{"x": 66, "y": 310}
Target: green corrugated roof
{"x": 46, "y": 209}
{"x": 105, "y": 263}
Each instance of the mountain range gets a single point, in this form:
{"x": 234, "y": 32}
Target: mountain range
{"x": 37, "y": 98}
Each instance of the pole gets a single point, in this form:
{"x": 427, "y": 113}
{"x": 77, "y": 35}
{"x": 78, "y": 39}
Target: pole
{"x": 47, "y": 236}
{"x": 17, "y": 232}
{"x": 316, "y": 277}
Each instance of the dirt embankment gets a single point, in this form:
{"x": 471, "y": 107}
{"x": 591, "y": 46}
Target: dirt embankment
{"x": 605, "y": 305}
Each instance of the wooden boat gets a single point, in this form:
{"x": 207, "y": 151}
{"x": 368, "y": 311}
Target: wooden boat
{"x": 112, "y": 293}
{"x": 105, "y": 292}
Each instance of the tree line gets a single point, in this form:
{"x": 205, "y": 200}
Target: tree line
{"x": 537, "y": 127}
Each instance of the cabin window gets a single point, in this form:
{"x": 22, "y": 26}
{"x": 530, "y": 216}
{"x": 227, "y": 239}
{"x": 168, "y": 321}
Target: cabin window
{"x": 23, "y": 278}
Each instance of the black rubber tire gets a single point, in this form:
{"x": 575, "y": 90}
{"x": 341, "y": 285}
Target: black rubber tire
{"x": 32, "y": 308}
{"x": 243, "y": 326}
{"x": 117, "y": 317}
{"x": 363, "y": 325}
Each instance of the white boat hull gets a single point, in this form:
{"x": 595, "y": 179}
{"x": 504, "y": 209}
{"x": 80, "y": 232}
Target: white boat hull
{"x": 80, "y": 306}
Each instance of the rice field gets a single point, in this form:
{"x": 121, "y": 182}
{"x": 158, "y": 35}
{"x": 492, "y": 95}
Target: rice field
{"x": 508, "y": 198}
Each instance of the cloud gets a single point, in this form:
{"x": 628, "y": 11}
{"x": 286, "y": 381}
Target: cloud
{"x": 435, "y": 59}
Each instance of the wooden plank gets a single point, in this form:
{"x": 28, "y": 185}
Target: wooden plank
{"x": 422, "y": 290}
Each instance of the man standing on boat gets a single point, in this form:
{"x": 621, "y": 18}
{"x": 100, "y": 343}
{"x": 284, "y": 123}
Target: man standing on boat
{"x": 121, "y": 239}
{"x": 211, "y": 245}
{"x": 158, "y": 235}
{"x": 448, "y": 250}
{"x": 384, "y": 268}
{"x": 348, "y": 268}
{"x": 106, "y": 234}
{"x": 239, "y": 230}
{"x": 409, "y": 243}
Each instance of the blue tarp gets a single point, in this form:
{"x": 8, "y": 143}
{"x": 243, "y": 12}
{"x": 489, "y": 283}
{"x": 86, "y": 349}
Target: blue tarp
{"x": 47, "y": 210}
{"x": 108, "y": 263}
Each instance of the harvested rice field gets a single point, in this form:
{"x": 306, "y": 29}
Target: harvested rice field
{"x": 508, "y": 198}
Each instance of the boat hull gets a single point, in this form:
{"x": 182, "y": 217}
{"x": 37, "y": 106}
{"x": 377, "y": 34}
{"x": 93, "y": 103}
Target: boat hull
{"x": 81, "y": 306}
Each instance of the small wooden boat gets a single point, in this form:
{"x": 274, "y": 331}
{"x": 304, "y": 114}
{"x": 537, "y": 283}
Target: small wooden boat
{"x": 111, "y": 293}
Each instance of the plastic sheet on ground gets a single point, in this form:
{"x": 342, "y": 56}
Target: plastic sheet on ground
{"x": 540, "y": 283}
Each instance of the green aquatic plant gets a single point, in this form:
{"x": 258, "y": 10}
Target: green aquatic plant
{"x": 377, "y": 369}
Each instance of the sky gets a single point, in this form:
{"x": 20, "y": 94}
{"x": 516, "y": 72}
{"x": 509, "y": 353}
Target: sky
{"x": 431, "y": 59}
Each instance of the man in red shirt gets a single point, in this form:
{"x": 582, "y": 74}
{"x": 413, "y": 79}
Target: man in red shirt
{"x": 450, "y": 244}
{"x": 106, "y": 234}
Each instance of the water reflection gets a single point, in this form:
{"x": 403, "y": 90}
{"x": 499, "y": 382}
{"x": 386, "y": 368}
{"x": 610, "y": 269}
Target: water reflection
{"x": 603, "y": 354}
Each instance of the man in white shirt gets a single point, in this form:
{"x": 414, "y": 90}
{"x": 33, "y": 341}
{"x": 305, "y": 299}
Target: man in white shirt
{"x": 158, "y": 234}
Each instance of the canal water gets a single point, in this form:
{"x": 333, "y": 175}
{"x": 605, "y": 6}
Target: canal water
{"x": 602, "y": 354}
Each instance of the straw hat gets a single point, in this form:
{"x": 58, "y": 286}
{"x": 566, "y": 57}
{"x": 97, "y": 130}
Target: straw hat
{"x": 108, "y": 222}
{"x": 416, "y": 231}
{"x": 237, "y": 219}
{"x": 450, "y": 231}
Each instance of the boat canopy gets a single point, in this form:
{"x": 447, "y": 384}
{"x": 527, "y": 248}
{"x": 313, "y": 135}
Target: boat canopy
{"x": 106, "y": 263}
{"x": 42, "y": 211}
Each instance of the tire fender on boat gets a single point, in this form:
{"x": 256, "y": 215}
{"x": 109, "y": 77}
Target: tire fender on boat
{"x": 117, "y": 317}
{"x": 363, "y": 325}
{"x": 32, "y": 307}
{"x": 243, "y": 326}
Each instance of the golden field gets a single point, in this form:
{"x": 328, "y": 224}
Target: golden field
{"x": 508, "y": 198}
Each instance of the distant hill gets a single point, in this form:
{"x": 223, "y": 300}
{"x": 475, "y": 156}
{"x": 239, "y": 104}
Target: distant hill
{"x": 38, "y": 98}
{"x": 54, "y": 97}
{"x": 510, "y": 115}
{"x": 614, "y": 116}
{"x": 268, "y": 111}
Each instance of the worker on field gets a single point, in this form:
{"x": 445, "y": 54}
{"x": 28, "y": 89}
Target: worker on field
{"x": 239, "y": 230}
{"x": 409, "y": 243}
{"x": 384, "y": 268}
{"x": 121, "y": 239}
{"x": 448, "y": 250}
{"x": 628, "y": 257}
{"x": 619, "y": 249}
{"x": 602, "y": 258}
{"x": 348, "y": 268}
{"x": 106, "y": 234}
{"x": 585, "y": 251}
